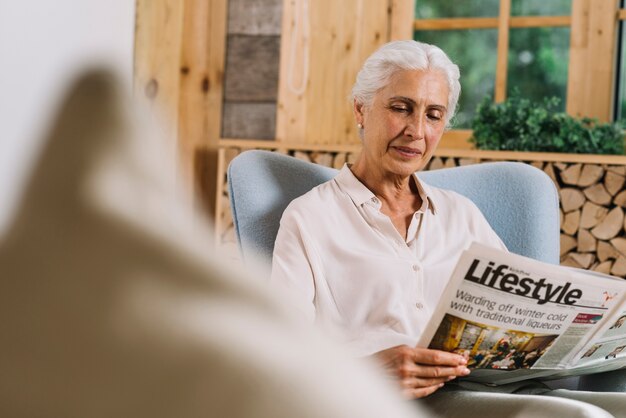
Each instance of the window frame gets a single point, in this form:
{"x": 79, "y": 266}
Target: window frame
{"x": 591, "y": 83}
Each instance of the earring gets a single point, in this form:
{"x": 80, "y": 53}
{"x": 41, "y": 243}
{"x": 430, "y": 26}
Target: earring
{"x": 359, "y": 125}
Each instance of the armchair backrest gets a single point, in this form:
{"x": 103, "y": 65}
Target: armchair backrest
{"x": 519, "y": 201}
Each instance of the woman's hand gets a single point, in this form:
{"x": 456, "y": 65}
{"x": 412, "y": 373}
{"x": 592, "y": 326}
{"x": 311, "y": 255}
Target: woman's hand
{"x": 421, "y": 371}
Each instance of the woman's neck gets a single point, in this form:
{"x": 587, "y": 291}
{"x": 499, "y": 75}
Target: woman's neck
{"x": 387, "y": 187}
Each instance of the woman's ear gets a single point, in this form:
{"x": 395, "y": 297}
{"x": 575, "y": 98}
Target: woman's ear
{"x": 358, "y": 112}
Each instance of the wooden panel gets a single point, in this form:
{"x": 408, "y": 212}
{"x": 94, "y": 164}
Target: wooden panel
{"x": 254, "y": 17}
{"x": 252, "y": 68}
{"x": 294, "y": 57}
{"x": 219, "y": 194}
{"x": 402, "y": 18}
{"x": 179, "y": 64}
{"x": 372, "y": 32}
{"x": 248, "y": 144}
{"x": 331, "y": 53}
{"x": 490, "y": 22}
{"x": 533, "y": 156}
{"x": 442, "y": 152}
{"x": 579, "y": 45}
{"x": 346, "y": 33}
{"x": 503, "y": 50}
{"x": 540, "y": 21}
{"x": 592, "y": 53}
{"x": 157, "y": 56}
{"x": 249, "y": 120}
{"x": 458, "y": 138}
{"x": 456, "y": 23}
{"x": 202, "y": 69}
{"x": 621, "y": 14}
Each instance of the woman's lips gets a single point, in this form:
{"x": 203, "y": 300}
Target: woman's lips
{"x": 408, "y": 152}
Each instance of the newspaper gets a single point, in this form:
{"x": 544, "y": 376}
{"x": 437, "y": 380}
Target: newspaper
{"x": 517, "y": 318}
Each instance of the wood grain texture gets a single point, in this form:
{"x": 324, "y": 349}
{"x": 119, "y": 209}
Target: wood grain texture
{"x": 222, "y": 205}
{"x": 158, "y": 43}
{"x": 294, "y": 56}
{"x": 503, "y": 50}
{"x": 490, "y": 22}
{"x": 457, "y": 138}
{"x": 540, "y": 21}
{"x": 591, "y": 65}
{"x": 346, "y": 33}
{"x": 202, "y": 67}
{"x": 456, "y": 23}
{"x": 402, "y": 18}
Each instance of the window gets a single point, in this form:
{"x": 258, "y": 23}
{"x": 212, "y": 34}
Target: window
{"x": 540, "y": 48}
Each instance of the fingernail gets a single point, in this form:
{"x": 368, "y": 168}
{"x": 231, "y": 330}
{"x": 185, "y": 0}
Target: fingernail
{"x": 440, "y": 384}
{"x": 465, "y": 371}
{"x": 463, "y": 360}
{"x": 451, "y": 378}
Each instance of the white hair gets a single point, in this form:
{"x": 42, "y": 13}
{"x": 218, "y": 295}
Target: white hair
{"x": 405, "y": 55}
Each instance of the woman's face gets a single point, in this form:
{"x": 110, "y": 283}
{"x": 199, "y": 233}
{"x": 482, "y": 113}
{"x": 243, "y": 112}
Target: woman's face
{"x": 405, "y": 121}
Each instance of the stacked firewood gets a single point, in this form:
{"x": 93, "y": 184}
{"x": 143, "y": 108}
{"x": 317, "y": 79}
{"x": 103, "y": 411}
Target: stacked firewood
{"x": 592, "y": 215}
{"x": 328, "y": 159}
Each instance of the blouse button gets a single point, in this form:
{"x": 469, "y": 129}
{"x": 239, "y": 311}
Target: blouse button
{"x": 415, "y": 267}
{"x": 419, "y": 305}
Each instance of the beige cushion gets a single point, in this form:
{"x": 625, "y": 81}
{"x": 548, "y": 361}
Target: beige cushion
{"x": 112, "y": 302}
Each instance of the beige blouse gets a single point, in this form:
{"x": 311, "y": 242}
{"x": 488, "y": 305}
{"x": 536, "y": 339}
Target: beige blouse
{"x": 348, "y": 268}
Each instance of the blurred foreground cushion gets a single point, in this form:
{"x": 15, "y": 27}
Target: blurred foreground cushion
{"x": 112, "y": 302}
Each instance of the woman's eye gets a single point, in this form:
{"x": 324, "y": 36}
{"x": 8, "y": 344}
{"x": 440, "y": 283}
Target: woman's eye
{"x": 434, "y": 116}
{"x": 400, "y": 109}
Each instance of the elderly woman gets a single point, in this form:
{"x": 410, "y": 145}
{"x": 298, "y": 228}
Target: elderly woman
{"x": 370, "y": 251}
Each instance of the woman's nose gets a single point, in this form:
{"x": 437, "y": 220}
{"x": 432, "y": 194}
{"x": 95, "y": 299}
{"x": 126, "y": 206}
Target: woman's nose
{"x": 415, "y": 128}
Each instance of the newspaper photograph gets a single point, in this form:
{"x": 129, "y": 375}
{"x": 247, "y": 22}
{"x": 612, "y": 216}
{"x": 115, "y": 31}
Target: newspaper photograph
{"x": 490, "y": 347}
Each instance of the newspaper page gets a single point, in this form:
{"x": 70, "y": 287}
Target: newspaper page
{"x": 605, "y": 351}
{"x": 611, "y": 343}
{"x": 511, "y": 313}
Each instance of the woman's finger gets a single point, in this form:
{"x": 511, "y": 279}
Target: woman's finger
{"x": 420, "y": 370}
{"x": 420, "y": 392}
{"x": 437, "y": 357}
{"x": 439, "y": 371}
{"x": 420, "y": 382}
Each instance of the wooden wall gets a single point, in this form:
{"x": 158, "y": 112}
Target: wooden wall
{"x": 316, "y": 80}
{"x": 590, "y": 85}
{"x": 179, "y": 67}
{"x": 227, "y": 71}
{"x": 224, "y": 70}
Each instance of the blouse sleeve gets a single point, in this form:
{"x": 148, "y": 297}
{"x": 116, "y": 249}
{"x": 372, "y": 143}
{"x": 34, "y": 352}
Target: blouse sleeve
{"x": 292, "y": 264}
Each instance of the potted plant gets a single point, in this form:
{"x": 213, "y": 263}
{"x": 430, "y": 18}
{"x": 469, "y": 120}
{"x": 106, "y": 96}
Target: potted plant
{"x": 519, "y": 124}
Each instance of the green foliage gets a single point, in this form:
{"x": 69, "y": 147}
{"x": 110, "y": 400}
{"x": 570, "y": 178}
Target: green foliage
{"x": 519, "y": 124}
